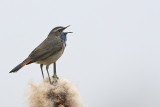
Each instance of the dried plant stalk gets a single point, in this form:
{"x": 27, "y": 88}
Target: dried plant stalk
{"x": 61, "y": 94}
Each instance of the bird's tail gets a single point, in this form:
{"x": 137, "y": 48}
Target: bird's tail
{"x": 26, "y": 61}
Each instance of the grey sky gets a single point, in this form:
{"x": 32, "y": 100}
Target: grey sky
{"x": 113, "y": 55}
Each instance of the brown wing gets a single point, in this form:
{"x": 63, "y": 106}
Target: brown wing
{"x": 48, "y": 47}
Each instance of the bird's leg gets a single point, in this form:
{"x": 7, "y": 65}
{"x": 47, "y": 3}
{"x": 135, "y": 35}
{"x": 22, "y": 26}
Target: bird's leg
{"x": 41, "y": 66}
{"x": 55, "y": 74}
{"x": 55, "y": 78}
{"x": 48, "y": 74}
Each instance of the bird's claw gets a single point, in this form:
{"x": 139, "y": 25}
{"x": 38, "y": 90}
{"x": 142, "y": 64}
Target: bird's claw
{"x": 55, "y": 79}
{"x": 55, "y": 76}
{"x": 54, "y": 82}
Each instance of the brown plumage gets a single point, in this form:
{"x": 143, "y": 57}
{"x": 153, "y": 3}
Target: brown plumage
{"x": 48, "y": 52}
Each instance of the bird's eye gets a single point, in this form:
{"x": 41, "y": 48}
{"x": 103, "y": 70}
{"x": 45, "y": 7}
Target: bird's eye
{"x": 59, "y": 30}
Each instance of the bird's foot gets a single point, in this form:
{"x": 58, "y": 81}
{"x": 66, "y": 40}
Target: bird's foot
{"x": 55, "y": 76}
{"x": 55, "y": 79}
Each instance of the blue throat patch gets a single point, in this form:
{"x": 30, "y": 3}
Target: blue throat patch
{"x": 64, "y": 37}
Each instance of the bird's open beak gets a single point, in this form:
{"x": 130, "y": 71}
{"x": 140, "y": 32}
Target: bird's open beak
{"x": 67, "y": 32}
{"x": 65, "y": 27}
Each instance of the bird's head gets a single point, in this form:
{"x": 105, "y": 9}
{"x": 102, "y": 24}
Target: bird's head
{"x": 58, "y": 30}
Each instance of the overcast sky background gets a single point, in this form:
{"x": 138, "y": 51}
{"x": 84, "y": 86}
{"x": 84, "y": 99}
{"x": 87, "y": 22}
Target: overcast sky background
{"x": 113, "y": 56}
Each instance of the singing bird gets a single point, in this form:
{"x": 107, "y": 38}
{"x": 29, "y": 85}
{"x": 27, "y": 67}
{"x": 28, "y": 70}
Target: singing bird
{"x": 48, "y": 52}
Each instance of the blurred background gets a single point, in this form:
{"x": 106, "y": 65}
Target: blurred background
{"x": 113, "y": 56}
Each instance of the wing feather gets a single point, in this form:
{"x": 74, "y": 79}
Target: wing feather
{"x": 48, "y": 47}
